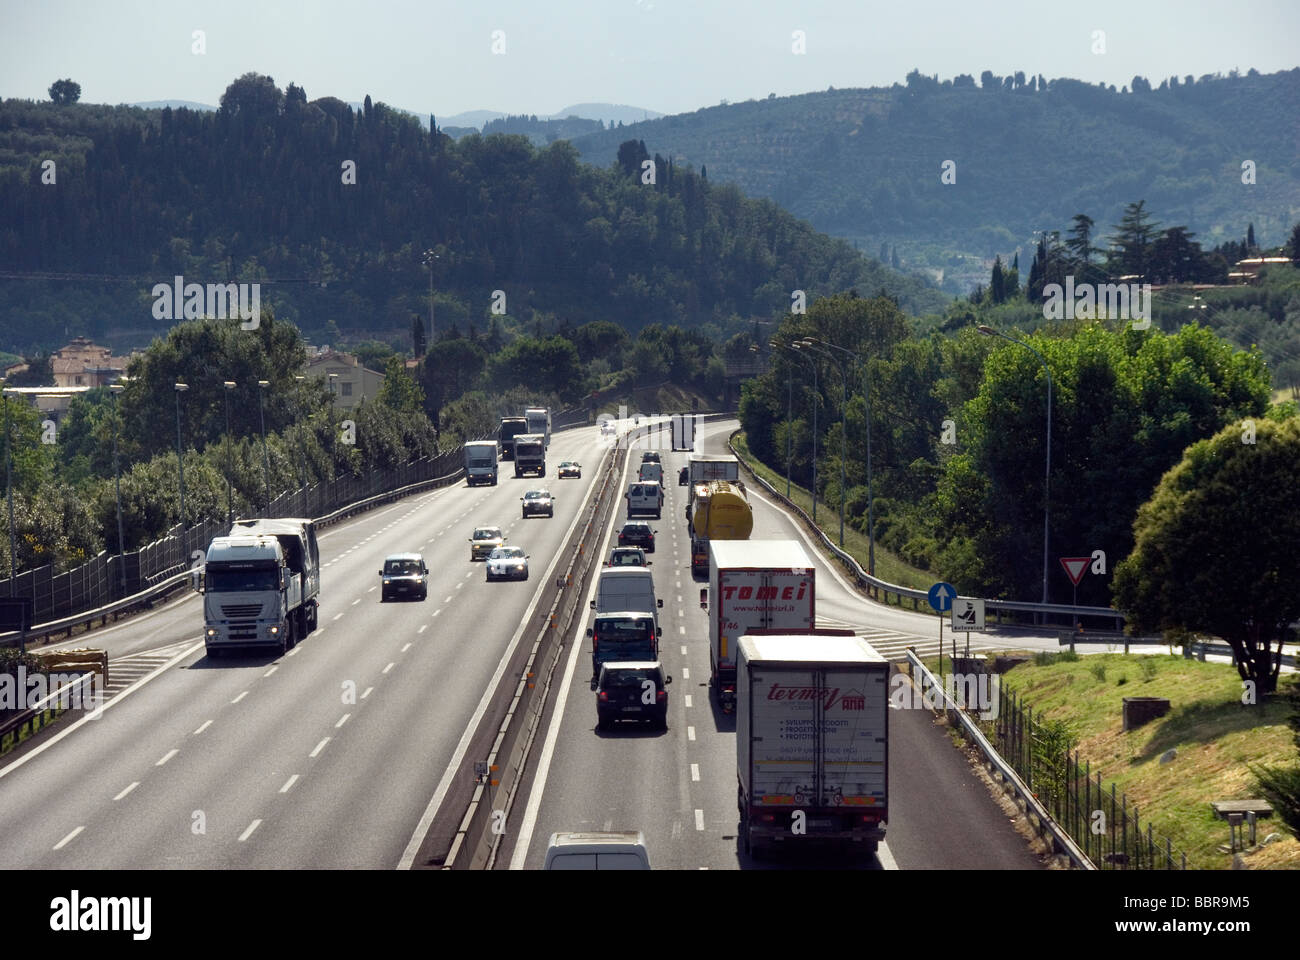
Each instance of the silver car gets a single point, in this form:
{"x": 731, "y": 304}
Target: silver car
{"x": 507, "y": 563}
{"x": 538, "y": 503}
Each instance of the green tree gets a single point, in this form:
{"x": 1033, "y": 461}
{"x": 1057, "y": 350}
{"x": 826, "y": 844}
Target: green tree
{"x": 1215, "y": 547}
{"x": 1131, "y": 245}
{"x": 64, "y": 92}
{"x": 399, "y": 391}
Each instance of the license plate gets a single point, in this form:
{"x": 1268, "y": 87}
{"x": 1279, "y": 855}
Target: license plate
{"x": 631, "y": 709}
{"x": 822, "y": 822}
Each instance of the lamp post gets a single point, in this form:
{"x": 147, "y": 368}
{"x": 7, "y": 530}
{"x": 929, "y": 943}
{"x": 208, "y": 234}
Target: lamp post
{"x": 429, "y": 258}
{"x": 228, "y": 385}
{"x": 809, "y": 343}
{"x": 789, "y": 417}
{"x": 816, "y": 399}
{"x": 9, "y": 493}
{"x": 114, "y": 390}
{"x": 871, "y": 502}
{"x": 334, "y": 432}
{"x": 180, "y": 455}
{"x": 266, "y": 460}
{"x": 1047, "y": 473}
{"x": 302, "y": 451}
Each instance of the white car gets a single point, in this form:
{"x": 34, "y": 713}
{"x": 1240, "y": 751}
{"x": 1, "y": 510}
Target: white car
{"x": 507, "y": 563}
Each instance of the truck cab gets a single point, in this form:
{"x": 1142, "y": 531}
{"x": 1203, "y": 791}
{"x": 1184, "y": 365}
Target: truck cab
{"x": 248, "y": 594}
{"x": 481, "y": 462}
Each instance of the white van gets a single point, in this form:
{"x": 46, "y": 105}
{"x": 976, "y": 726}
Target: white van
{"x": 624, "y": 850}
{"x": 644, "y": 499}
{"x": 626, "y": 590}
{"x": 651, "y": 471}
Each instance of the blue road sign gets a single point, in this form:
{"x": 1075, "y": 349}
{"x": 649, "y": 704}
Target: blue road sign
{"x": 941, "y": 595}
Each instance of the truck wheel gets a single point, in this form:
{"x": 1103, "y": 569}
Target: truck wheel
{"x": 541, "y": 471}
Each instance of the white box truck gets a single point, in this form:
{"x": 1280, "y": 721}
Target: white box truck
{"x": 812, "y": 741}
{"x": 753, "y": 585}
{"x": 539, "y": 422}
{"x": 481, "y": 462}
{"x": 530, "y": 454}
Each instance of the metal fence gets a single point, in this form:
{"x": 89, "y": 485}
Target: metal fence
{"x": 1106, "y": 826}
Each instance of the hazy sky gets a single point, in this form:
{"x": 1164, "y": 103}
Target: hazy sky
{"x": 667, "y": 55}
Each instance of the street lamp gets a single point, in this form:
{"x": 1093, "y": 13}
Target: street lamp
{"x": 808, "y": 343}
{"x": 266, "y": 460}
{"x": 180, "y": 454}
{"x": 114, "y": 390}
{"x": 1047, "y": 474}
{"x": 302, "y": 451}
{"x": 229, "y": 385}
{"x": 871, "y": 501}
{"x": 429, "y": 258}
{"x": 9, "y": 492}
{"x": 817, "y": 396}
{"x": 334, "y": 433}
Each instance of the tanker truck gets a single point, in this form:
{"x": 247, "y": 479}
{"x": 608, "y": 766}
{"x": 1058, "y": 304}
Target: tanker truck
{"x": 719, "y": 511}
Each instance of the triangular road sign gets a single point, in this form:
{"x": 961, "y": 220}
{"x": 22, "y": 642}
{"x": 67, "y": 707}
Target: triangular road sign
{"x": 1074, "y": 567}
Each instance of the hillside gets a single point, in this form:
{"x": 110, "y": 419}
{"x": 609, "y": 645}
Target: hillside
{"x": 865, "y": 164}
{"x": 261, "y": 190}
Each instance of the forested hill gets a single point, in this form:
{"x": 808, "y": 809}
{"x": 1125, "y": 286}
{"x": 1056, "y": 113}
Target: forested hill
{"x": 1028, "y": 155}
{"x": 257, "y": 191}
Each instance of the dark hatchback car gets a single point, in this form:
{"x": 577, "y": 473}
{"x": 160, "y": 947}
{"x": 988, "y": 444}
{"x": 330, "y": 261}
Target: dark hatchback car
{"x": 637, "y": 535}
{"x": 404, "y": 575}
{"x": 632, "y": 690}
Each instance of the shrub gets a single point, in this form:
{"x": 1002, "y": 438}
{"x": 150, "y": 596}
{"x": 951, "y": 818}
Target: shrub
{"x": 1098, "y": 670}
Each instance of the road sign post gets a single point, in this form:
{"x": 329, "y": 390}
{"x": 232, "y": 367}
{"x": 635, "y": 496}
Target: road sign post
{"x": 967, "y": 615}
{"x": 1074, "y": 569}
{"x": 940, "y": 596}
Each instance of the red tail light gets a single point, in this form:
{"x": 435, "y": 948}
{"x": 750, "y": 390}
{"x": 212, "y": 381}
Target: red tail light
{"x": 603, "y": 695}
{"x": 869, "y": 818}
{"x": 768, "y": 818}
{"x": 661, "y": 695}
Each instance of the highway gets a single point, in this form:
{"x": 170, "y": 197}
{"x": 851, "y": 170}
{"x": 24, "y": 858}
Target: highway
{"x": 679, "y": 786}
{"x": 327, "y": 757}
{"x": 338, "y": 754}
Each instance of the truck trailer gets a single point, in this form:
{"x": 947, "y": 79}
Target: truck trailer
{"x": 719, "y": 510}
{"x": 753, "y": 585}
{"x": 510, "y": 428}
{"x": 530, "y": 454}
{"x": 481, "y": 462}
{"x": 812, "y": 741}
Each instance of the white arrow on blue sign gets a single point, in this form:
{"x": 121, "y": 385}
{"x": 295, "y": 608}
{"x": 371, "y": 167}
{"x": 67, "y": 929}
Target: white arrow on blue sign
{"x": 941, "y": 595}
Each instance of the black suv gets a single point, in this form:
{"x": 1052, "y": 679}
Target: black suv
{"x": 404, "y": 575}
{"x": 632, "y": 690}
{"x": 650, "y": 456}
{"x": 637, "y": 535}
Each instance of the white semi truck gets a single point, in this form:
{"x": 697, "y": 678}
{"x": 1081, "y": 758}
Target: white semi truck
{"x": 530, "y": 454}
{"x": 261, "y": 585}
{"x": 753, "y": 585}
{"x": 539, "y": 422}
{"x": 812, "y": 741}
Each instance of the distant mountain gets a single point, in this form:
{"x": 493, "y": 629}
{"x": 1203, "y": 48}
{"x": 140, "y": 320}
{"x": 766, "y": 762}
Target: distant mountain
{"x": 1025, "y": 155}
{"x": 471, "y": 118}
{"x": 174, "y": 104}
{"x": 607, "y": 113}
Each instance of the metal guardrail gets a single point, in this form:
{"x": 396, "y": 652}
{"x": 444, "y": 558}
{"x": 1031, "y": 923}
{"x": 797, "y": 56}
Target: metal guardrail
{"x": 866, "y": 580}
{"x": 1063, "y": 841}
{"x": 1196, "y": 650}
{"x": 149, "y": 594}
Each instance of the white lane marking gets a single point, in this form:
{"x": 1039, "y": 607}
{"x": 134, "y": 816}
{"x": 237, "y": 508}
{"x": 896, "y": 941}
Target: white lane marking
{"x": 699, "y": 819}
{"x": 446, "y": 599}
{"x": 294, "y": 650}
{"x": 206, "y": 724}
{"x": 367, "y": 693}
{"x": 272, "y": 670}
{"x": 406, "y": 647}
{"x": 342, "y": 720}
{"x": 356, "y": 601}
{"x": 68, "y": 839}
{"x": 99, "y": 712}
{"x": 679, "y": 600}
{"x": 240, "y": 697}
{"x": 458, "y": 586}
{"x": 337, "y": 616}
{"x": 686, "y": 698}
{"x": 423, "y": 627}
{"x": 695, "y": 772}
{"x": 690, "y": 733}
{"x": 470, "y": 574}
{"x": 289, "y": 783}
{"x": 435, "y": 613}
{"x": 167, "y": 756}
{"x": 686, "y": 673}
{"x": 371, "y": 590}
{"x": 127, "y": 790}
{"x": 391, "y": 665}
{"x": 679, "y": 584}
{"x": 683, "y": 649}
{"x": 319, "y": 747}
{"x": 886, "y": 856}
{"x": 680, "y": 615}
{"x": 249, "y": 832}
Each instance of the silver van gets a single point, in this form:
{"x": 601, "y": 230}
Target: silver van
{"x": 644, "y": 499}
{"x": 626, "y": 589}
{"x": 622, "y": 850}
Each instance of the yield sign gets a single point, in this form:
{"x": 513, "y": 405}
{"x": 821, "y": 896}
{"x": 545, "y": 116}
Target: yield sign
{"x": 1074, "y": 567}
